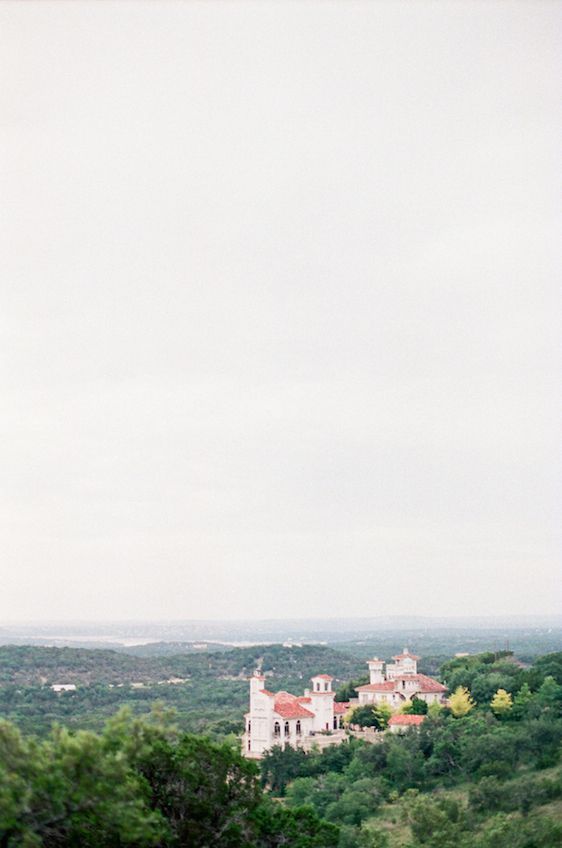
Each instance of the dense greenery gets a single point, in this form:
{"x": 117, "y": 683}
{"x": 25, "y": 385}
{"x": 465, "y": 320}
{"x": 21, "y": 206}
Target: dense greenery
{"x": 476, "y": 781}
{"x": 483, "y": 773}
{"x": 212, "y": 699}
{"x": 212, "y": 707}
{"x": 140, "y": 783}
{"x": 29, "y": 665}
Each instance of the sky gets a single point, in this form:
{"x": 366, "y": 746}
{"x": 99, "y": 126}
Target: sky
{"x": 279, "y": 311}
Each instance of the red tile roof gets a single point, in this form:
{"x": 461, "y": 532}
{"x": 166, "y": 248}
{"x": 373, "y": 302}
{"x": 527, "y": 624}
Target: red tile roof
{"x": 293, "y": 710}
{"x": 423, "y": 684}
{"x": 405, "y": 720}
{"x": 428, "y": 684}
{"x": 321, "y": 677}
{"x": 387, "y": 686}
{"x": 288, "y": 706}
{"x": 406, "y": 656}
{"x": 340, "y": 707}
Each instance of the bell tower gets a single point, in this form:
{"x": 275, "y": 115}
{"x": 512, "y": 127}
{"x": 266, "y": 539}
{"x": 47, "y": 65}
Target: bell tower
{"x": 375, "y": 670}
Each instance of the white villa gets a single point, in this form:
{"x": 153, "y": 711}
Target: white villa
{"x": 400, "y": 682}
{"x": 279, "y": 718}
{"x": 315, "y": 719}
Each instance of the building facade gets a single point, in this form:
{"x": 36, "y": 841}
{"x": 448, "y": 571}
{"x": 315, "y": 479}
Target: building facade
{"x": 315, "y": 719}
{"x": 399, "y": 682}
{"x": 282, "y": 719}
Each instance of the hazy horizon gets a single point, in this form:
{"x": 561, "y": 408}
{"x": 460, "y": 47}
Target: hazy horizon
{"x": 279, "y": 313}
{"x": 432, "y": 620}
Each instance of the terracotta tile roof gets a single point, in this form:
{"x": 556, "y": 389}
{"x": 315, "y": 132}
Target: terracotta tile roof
{"x": 293, "y": 710}
{"x": 405, "y": 720}
{"x": 405, "y": 656}
{"x": 422, "y": 683}
{"x": 340, "y": 707}
{"x": 428, "y": 684}
{"x": 321, "y": 677}
{"x": 387, "y": 686}
{"x": 288, "y": 706}
{"x": 304, "y": 700}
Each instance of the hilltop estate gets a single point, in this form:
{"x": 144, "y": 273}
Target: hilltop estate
{"x": 399, "y": 682}
{"x": 279, "y": 718}
{"x": 315, "y": 718}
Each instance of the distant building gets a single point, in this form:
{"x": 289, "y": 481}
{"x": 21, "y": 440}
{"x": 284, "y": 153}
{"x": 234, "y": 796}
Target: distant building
{"x": 283, "y": 719}
{"x": 316, "y": 719}
{"x": 399, "y": 682}
{"x": 63, "y": 687}
{"x": 401, "y": 723}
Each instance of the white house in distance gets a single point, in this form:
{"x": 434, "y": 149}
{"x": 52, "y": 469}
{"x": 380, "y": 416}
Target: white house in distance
{"x": 279, "y": 718}
{"x": 399, "y": 682}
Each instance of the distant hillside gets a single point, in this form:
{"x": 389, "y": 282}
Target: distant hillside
{"x": 167, "y": 649}
{"x": 32, "y": 666}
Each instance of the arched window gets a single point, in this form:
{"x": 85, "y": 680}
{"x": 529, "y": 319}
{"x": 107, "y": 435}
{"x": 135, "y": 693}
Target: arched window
{"x": 298, "y": 728}
{"x": 317, "y": 687}
{"x": 277, "y": 729}
{"x": 287, "y": 729}
{"x": 249, "y": 745}
{"x": 249, "y": 727}
{"x": 335, "y": 722}
{"x": 325, "y": 687}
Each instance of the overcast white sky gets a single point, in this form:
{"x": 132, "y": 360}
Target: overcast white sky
{"x": 279, "y": 309}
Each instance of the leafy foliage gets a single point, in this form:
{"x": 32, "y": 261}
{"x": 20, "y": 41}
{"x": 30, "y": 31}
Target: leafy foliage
{"x": 461, "y": 702}
{"x": 502, "y": 703}
{"x": 140, "y": 783}
{"x": 371, "y": 715}
{"x": 498, "y": 755}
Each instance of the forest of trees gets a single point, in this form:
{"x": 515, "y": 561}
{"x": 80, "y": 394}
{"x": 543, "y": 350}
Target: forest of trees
{"x": 28, "y": 665}
{"x": 140, "y": 783}
{"x": 484, "y": 772}
{"x": 212, "y": 700}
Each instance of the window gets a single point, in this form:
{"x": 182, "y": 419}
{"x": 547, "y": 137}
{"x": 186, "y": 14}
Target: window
{"x": 277, "y": 729}
{"x": 325, "y": 687}
{"x": 317, "y": 687}
{"x": 249, "y": 745}
{"x": 287, "y": 729}
{"x": 249, "y": 727}
{"x": 298, "y": 728}
{"x": 335, "y": 722}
